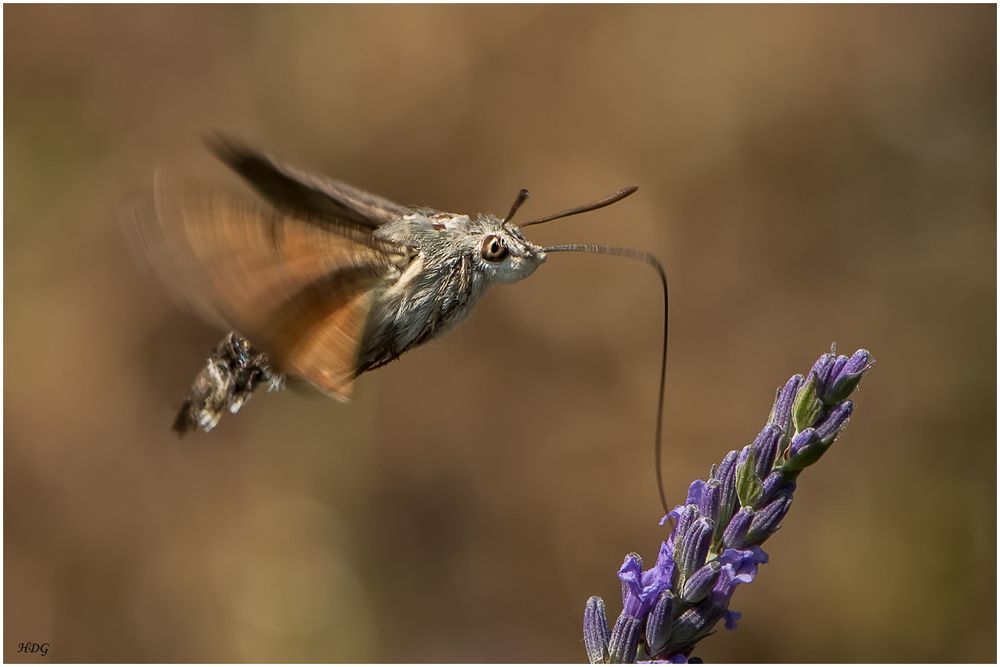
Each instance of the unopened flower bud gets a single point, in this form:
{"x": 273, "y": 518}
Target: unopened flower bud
{"x": 781, "y": 413}
{"x": 697, "y": 542}
{"x": 774, "y": 481}
{"x": 698, "y": 585}
{"x": 823, "y": 366}
{"x": 694, "y": 622}
{"x": 595, "y": 630}
{"x": 834, "y": 422}
{"x": 711, "y": 499}
{"x": 624, "y": 640}
{"x": 847, "y": 377}
{"x": 765, "y": 449}
{"x": 768, "y": 518}
{"x": 726, "y": 474}
{"x": 734, "y": 536}
{"x": 659, "y": 623}
{"x": 686, "y": 516}
{"x": 806, "y": 449}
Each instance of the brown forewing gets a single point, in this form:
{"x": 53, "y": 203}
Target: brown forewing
{"x": 299, "y": 289}
{"x": 287, "y": 186}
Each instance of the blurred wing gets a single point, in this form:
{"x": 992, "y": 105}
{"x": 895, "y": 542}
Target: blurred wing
{"x": 289, "y": 187}
{"x": 299, "y": 290}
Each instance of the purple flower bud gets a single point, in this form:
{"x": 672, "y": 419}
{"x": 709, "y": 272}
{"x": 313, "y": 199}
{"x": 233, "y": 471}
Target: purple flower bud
{"x": 595, "y": 630}
{"x": 694, "y": 550}
{"x": 823, "y": 366}
{"x": 699, "y": 584}
{"x": 695, "y": 622}
{"x": 848, "y": 376}
{"x": 765, "y": 449}
{"x": 624, "y": 640}
{"x": 711, "y": 499}
{"x": 806, "y": 449}
{"x": 801, "y": 441}
{"x": 861, "y": 361}
{"x": 659, "y": 623}
{"x": 781, "y": 413}
{"x": 726, "y": 469}
{"x": 726, "y": 474}
{"x": 768, "y": 518}
{"x": 774, "y": 481}
{"x": 834, "y": 422}
{"x": 685, "y": 517}
{"x": 807, "y": 406}
{"x": 734, "y": 537}
{"x": 838, "y": 367}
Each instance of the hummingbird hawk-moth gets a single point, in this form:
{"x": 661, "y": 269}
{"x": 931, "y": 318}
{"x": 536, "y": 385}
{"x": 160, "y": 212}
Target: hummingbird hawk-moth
{"x": 322, "y": 281}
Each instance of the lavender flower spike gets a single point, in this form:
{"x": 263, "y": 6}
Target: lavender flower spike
{"x": 714, "y": 544}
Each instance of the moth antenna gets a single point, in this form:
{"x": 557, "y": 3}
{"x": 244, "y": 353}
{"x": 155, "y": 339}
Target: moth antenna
{"x": 651, "y": 260}
{"x": 522, "y": 196}
{"x": 592, "y": 206}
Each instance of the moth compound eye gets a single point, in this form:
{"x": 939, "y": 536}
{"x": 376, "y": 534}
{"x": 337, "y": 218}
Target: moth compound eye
{"x": 494, "y": 249}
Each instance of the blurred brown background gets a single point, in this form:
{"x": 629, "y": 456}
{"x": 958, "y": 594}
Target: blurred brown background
{"x": 808, "y": 174}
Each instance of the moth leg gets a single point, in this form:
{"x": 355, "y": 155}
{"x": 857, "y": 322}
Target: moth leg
{"x": 230, "y": 375}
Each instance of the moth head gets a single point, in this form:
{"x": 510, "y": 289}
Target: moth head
{"x": 503, "y": 254}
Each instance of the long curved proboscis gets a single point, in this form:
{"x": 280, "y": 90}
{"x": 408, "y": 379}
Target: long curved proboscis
{"x": 652, "y": 261}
